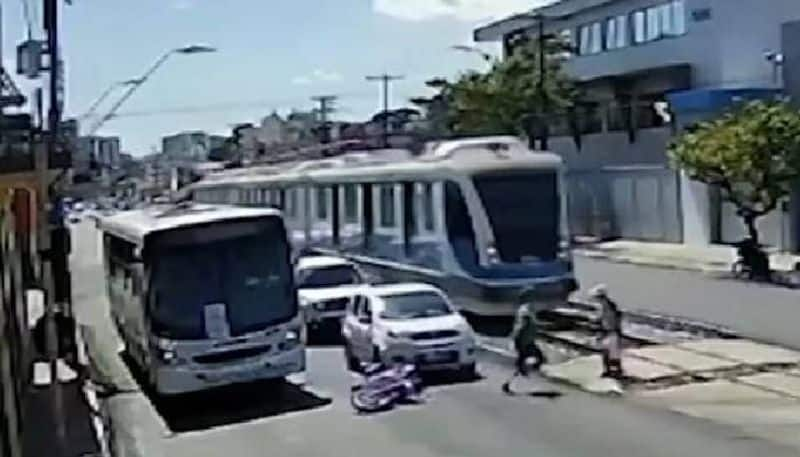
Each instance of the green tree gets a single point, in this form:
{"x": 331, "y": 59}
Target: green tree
{"x": 503, "y": 99}
{"x": 751, "y": 153}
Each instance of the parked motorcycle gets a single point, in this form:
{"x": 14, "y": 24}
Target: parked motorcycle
{"x": 384, "y": 387}
{"x": 752, "y": 262}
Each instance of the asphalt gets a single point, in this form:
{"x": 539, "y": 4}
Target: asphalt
{"x": 763, "y": 312}
{"x": 459, "y": 419}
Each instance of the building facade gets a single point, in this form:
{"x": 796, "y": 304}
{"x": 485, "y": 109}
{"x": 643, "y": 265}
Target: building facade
{"x": 186, "y": 147}
{"x": 649, "y": 68}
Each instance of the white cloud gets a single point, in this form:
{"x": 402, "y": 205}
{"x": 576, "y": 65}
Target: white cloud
{"x": 301, "y": 80}
{"x": 317, "y": 76}
{"x": 182, "y": 4}
{"x": 464, "y": 10}
{"x": 326, "y": 76}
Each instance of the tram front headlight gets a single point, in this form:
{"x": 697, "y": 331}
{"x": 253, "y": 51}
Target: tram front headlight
{"x": 492, "y": 255}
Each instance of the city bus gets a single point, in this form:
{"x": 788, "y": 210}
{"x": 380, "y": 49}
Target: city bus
{"x": 203, "y": 295}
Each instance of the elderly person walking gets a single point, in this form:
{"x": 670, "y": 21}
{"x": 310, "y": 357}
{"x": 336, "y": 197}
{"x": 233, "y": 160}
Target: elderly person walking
{"x": 611, "y": 325}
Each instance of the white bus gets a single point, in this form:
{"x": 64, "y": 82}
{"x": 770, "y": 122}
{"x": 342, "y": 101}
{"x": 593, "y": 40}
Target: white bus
{"x": 484, "y": 218}
{"x": 203, "y": 295}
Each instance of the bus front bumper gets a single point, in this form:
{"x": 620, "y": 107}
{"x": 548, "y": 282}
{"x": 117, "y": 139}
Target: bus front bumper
{"x": 193, "y": 377}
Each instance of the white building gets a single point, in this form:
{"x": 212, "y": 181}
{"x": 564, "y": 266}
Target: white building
{"x": 186, "y": 146}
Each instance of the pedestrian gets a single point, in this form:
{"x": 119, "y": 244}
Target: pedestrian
{"x": 523, "y": 337}
{"x": 611, "y": 337}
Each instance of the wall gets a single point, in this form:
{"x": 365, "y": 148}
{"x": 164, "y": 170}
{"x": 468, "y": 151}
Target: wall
{"x": 614, "y": 149}
{"x": 747, "y": 29}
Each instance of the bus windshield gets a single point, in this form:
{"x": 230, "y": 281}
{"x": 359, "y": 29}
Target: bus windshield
{"x": 523, "y": 209}
{"x": 249, "y": 274}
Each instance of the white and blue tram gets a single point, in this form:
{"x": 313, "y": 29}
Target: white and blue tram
{"x": 482, "y": 218}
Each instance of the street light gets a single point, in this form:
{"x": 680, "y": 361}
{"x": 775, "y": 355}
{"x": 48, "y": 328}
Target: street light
{"x": 192, "y": 49}
{"x": 105, "y": 95}
{"x": 474, "y": 50}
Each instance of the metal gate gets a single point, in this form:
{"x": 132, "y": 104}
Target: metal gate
{"x": 631, "y": 202}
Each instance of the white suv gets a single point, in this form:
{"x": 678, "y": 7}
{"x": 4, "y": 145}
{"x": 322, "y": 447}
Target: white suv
{"x": 408, "y": 323}
{"x": 325, "y": 287}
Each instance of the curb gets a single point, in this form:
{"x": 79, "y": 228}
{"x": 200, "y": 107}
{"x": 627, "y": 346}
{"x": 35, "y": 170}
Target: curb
{"x": 713, "y": 272}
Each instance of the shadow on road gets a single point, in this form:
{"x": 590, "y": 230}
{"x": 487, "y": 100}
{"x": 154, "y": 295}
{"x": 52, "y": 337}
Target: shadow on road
{"x": 490, "y": 326}
{"x": 447, "y": 378}
{"x": 230, "y": 404}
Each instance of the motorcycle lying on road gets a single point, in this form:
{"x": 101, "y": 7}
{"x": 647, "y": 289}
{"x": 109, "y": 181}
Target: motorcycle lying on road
{"x": 383, "y": 387}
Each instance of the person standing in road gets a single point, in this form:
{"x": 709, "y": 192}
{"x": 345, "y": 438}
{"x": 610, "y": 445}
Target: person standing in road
{"x": 523, "y": 337}
{"x": 611, "y": 325}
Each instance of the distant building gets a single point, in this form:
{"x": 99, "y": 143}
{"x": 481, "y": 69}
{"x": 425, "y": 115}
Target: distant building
{"x": 186, "y": 147}
{"x": 98, "y": 150}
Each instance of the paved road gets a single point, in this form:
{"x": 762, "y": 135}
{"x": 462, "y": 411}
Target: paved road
{"x": 763, "y": 312}
{"x": 461, "y": 419}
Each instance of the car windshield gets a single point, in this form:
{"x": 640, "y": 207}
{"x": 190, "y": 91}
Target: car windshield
{"x": 415, "y": 305}
{"x": 248, "y": 274}
{"x": 340, "y": 275}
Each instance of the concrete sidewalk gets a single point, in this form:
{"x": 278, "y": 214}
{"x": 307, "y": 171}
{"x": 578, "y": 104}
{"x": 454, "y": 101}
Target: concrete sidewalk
{"x": 713, "y": 259}
{"x": 737, "y": 382}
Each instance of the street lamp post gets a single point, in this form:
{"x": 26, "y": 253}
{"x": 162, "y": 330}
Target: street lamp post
{"x": 474, "y": 50}
{"x": 105, "y": 95}
{"x": 193, "y": 49}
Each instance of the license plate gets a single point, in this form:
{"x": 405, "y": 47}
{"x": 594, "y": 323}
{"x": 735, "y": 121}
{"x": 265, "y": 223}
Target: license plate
{"x": 440, "y": 357}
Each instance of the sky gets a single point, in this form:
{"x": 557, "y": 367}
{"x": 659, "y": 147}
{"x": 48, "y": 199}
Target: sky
{"x": 272, "y": 55}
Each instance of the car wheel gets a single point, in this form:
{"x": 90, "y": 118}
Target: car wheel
{"x": 468, "y": 371}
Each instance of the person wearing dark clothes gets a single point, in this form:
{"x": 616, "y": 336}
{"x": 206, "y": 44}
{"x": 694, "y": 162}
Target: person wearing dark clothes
{"x": 524, "y": 338}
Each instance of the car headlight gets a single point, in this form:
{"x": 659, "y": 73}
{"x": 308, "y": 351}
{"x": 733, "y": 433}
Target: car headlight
{"x": 398, "y": 335}
{"x": 291, "y": 339}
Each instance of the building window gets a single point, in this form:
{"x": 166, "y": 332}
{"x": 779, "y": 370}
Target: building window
{"x": 584, "y": 37}
{"x": 591, "y": 38}
{"x": 617, "y": 32}
{"x": 678, "y": 18}
{"x": 597, "y": 38}
{"x": 638, "y": 23}
{"x": 387, "y": 206}
{"x": 653, "y": 27}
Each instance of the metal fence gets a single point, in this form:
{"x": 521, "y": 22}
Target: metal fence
{"x": 632, "y": 202}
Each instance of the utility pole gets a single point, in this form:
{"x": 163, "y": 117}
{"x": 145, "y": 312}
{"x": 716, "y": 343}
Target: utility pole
{"x": 325, "y": 107}
{"x": 49, "y": 214}
{"x": 385, "y": 79}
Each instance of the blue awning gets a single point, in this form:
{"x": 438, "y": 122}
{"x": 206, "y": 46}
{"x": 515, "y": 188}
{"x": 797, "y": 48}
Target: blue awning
{"x": 716, "y": 99}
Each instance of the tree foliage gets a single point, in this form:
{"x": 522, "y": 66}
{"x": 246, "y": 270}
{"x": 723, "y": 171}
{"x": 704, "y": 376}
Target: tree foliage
{"x": 502, "y": 99}
{"x": 751, "y": 153}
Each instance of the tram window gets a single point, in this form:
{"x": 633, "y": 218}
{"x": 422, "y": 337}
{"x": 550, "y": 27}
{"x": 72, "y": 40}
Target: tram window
{"x": 322, "y": 203}
{"x": 387, "y": 209}
{"x": 459, "y": 226}
{"x": 291, "y": 202}
{"x": 350, "y": 203}
{"x": 424, "y": 208}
